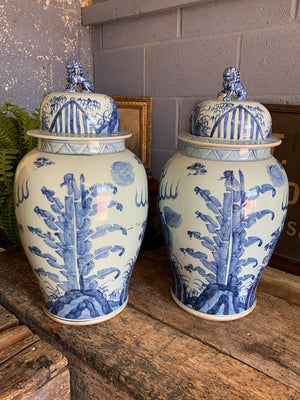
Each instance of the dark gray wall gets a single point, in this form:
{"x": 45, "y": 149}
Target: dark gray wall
{"x": 177, "y": 56}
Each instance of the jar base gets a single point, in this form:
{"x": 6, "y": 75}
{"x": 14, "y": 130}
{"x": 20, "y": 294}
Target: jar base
{"x": 212, "y": 317}
{"x": 86, "y": 321}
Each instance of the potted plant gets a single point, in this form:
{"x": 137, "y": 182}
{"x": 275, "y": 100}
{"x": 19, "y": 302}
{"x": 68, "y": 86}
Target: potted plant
{"x": 14, "y": 144}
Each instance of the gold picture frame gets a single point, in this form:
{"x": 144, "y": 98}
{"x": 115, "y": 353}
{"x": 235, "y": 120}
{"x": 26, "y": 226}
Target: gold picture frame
{"x": 136, "y": 117}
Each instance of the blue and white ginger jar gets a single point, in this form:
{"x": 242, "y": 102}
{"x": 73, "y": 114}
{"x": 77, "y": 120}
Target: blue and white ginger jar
{"x": 81, "y": 202}
{"x": 222, "y": 205}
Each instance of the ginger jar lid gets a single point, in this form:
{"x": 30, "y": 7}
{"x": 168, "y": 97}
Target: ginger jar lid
{"x": 231, "y": 121}
{"x": 78, "y": 113}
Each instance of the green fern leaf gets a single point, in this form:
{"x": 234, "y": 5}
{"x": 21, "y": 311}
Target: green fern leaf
{"x": 24, "y": 123}
{"x": 8, "y": 161}
{"x": 8, "y": 221}
{"x": 9, "y": 137}
{"x": 14, "y": 144}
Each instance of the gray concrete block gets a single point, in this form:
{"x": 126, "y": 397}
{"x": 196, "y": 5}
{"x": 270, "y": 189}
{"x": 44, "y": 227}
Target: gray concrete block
{"x": 270, "y": 62}
{"x": 164, "y": 123}
{"x": 134, "y": 31}
{"x": 96, "y": 38}
{"x": 159, "y": 160}
{"x": 122, "y": 9}
{"x": 186, "y": 107}
{"x": 120, "y": 72}
{"x": 215, "y": 18}
{"x": 191, "y": 67}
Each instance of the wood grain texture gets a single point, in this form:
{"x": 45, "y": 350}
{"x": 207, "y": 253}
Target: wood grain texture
{"x": 10, "y": 337}
{"x": 87, "y": 383}
{"x": 30, "y": 368}
{"x": 154, "y": 350}
{"x": 28, "y": 371}
{"x": 281, "y": 284}
{"x": 7, "y": 319}
{"x": 268, "y": 339}
{"x": 15, "y": 348}
{"x": 54, "y": 389}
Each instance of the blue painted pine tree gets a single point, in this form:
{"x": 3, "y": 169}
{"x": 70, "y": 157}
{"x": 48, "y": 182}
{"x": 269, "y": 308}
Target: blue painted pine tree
{"x": 222, "y": 222}
{"x": 217, "y": 271}
{"x": 81, "y": 203}
{"x": 85, "y": 240}
{"x": 75, "y": 288}
{"x": 227, "y": 289}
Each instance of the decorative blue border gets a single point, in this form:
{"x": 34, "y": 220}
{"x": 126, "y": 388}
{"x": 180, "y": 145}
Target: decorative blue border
{"x": 223, "y": 154}
{"x": 81, "y": 147}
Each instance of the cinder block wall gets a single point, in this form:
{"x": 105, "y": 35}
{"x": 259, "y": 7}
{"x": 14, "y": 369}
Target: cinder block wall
{"x": 177, "y": 57}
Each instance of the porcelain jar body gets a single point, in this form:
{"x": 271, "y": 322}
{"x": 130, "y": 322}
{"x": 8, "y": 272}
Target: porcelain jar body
{"x": 81, "y": 206}
{"x": 222, "y": 211}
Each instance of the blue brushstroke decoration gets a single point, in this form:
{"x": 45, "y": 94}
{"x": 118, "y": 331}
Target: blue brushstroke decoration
{"x": 69, "y": 234}
{"x": 220, "y": 288}
{"x": 42, "y": 161}
{"x": 122, "y": 173}
{"x": 197, "y": 168}
{"x": 21, "y": 193}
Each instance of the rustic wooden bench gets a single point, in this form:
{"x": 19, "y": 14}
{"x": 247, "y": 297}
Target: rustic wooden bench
{"x": 155, "y": 350}
{"x": 29, "y": 367}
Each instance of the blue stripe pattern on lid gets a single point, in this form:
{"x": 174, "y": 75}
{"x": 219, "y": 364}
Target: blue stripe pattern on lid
{"x": 79, "y": 113}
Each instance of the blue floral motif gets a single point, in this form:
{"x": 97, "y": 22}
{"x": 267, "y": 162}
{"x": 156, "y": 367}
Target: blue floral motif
{"x": 81, "y": 115}
{"x": 122, "y": 173}
{"x": 276, "y": 174}
{"x": 172, "y": 218}
{"x": 200, "y": 126}
{"x": 217, "y": 121}
{"x": 218, "y": 287}
{"x": 197, "y": 168}
{"x": 42, "y": 161}
{"x": 200, "y": 120}
{"x": 169, "y": 219}
{"x": 77, "y": 292}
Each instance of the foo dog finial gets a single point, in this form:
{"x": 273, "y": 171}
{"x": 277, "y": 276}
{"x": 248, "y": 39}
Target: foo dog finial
{"x": 233, "y": 89}
{"x": 76, "y": 77}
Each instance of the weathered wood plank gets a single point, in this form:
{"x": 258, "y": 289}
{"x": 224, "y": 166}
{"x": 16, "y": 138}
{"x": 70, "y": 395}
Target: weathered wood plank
{"x": 7, "y": 319}
{"x": 55, "y": 389}
{"x": 268, "y": 339}
{"x": 14, "y": 340}
{"x": 153, "y": 350}
{"x": 28, "y": 371}
{"x": 87, "y": 383}
{"x": 13, "y": 335}
{"x": 281, "y": 284}
{"x": 154, "y": 361}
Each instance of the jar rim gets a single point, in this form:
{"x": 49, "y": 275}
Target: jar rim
{"x": 225, "y": 143}
{"x": 44, "y": 134}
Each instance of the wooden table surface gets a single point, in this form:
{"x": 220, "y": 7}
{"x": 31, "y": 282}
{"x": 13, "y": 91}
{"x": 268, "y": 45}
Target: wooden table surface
{"x": 155, "y": 350}
{"x": 29, "y": 367}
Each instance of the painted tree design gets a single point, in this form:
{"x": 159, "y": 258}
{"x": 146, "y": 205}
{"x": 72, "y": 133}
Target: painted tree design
{"x": 70, "y": 236}
{"x": 222, "y": 287}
